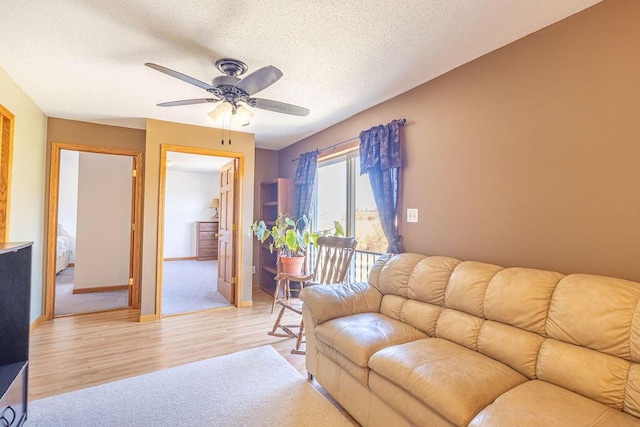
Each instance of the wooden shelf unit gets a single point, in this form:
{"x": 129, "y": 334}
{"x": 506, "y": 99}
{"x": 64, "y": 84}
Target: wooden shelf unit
{"x": 276, "y": 197}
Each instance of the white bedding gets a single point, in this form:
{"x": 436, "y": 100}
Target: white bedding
{"x": 63, "y": 244}
{"x": 63, "y": 253}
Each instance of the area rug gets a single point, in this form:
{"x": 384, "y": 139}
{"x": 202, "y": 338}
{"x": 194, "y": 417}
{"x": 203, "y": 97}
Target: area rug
{"x": 254, "y": 387}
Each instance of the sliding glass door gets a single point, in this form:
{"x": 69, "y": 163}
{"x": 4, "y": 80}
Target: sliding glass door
{"x": 344, "y": 195}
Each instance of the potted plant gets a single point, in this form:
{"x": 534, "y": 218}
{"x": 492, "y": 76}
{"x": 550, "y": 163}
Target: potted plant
{"x": 290, "y": 239}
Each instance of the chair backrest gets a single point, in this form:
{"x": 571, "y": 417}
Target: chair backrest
{"x": 334, "y": 257}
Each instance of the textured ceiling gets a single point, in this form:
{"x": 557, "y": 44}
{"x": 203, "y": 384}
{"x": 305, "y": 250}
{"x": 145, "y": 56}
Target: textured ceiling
{"x": 83, "y": 59}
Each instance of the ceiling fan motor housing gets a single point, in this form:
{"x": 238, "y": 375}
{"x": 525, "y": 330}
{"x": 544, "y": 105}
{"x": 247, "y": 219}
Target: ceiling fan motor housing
{"x": 231, "y": 67}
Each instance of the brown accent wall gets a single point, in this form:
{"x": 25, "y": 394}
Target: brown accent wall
{"x": 528, "y": 156}
{"x": 74, "y": 132}
{"x": 266, "y": 170}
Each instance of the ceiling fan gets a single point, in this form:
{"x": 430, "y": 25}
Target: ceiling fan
{"x": 233, "y": 92}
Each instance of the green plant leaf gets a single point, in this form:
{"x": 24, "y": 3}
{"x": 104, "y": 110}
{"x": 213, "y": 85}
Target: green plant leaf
{"x": 291, "y": 241}
{"x": 339, "y": 230}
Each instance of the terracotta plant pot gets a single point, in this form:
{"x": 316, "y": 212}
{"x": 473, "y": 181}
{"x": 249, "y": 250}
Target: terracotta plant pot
{"x": 292, "y": 265}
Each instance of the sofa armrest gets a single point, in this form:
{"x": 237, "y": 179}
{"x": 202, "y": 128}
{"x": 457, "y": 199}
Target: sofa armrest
{"x": 326, "y": 302}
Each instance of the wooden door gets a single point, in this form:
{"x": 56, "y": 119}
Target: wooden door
{"x": 226, "y": 273}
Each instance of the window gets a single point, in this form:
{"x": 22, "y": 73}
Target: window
{"x": 342, "y": 194}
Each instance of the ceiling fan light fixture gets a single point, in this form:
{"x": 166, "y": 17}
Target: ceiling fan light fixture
{"x": 242, "y": 115}
{"x": 222, "y": 112}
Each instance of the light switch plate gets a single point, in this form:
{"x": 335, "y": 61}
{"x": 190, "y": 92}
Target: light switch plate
{"x": 412, "y": 215}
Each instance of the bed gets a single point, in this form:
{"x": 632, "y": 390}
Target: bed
{"x": 63, "y": 251}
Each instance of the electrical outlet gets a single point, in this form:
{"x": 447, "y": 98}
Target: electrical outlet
{"x": 412, "y": 215}
{"x": 253, "y": 269}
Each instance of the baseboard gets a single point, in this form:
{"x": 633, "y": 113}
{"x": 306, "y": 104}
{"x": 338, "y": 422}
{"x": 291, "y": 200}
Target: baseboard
{"x": 187, "y": 258}
{"x": 101, "y": 289}
{"x": 246, "y": 303}
{"x": 36, "y": 322}
{"x": 148, "y": 318}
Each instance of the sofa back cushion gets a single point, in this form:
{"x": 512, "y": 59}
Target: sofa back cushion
{"x": 421, "y": 315}
{"x": 601, "y": 313}
{"x": 512, "y": 346}
{"x": 588, "y": 372}
{"x": 467, "y": 286}
{"x": 521, "y": 297}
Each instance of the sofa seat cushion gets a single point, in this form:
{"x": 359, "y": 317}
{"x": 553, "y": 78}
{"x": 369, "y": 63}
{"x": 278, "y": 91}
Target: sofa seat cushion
{"x": 452, "y": 380}
{"x": 538, "y": 403}
{"x": 357, "y": 337}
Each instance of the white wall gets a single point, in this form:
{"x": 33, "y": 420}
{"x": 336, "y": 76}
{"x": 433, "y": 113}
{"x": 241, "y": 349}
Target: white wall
{"x": 104, "y": 220}
{"x": 68, "y": 197}
{"x": 187, "y": 199}
{"x": 27, "y": 207}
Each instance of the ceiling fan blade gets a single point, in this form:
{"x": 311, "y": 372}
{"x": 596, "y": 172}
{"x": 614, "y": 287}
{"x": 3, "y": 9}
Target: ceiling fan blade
{"x": 187, "y": 102}
{"x": 278, "y": 107}
{"x": 180, "y": 76}
{"x": 259, "y": 80}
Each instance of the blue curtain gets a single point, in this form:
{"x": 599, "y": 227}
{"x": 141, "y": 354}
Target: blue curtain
{"x": 381, "y": 159}
{"x": 304, "y": 182}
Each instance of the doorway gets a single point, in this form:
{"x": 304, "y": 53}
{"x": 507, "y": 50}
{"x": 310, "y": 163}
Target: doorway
{"x": 196, "y": 234}
{"x": 191, "y": 228}
{"x": 92, "y": 241}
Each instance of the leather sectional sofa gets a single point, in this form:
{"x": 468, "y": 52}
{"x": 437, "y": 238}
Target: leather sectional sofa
{"x": 435, "y": 341}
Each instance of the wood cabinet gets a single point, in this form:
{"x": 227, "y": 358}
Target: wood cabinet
{"x": 207, "y": 240}
{"x": 276, "y": 197}
{"x": 15, "y": 290}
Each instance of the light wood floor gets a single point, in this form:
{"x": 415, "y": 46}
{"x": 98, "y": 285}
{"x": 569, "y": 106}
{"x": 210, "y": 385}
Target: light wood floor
{"x": 72, "y": 353}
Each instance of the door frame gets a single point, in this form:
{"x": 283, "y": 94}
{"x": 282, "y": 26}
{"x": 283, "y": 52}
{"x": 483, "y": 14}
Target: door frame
{"x": 6, "y": 162}
{"x": 237, "y": 217}
{"x": 52, "y": 223}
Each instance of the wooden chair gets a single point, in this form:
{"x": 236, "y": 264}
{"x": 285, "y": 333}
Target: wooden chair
{"x": 332, "y": 263}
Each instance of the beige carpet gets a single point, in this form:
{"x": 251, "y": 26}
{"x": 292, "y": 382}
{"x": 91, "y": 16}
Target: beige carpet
{"x": 254, "y": 387}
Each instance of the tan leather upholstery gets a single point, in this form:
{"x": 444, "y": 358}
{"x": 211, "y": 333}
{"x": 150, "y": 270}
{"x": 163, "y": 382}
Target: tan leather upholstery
{"x": 391, "y": 306}
{"x": 459, "y": 327}
{"x": 429, "y": 279}
{"x": 404, "y": 403}
{"x": 441, "y": 341}
{"x": 395, "y": 274}
{"x": 371, "y": 332}
{"x": 421, "y": 315}
{"x": 467, "y": 286}
{"x": 354, "y": 298}
{"x": 595, "y": 312}
{"x": 540, "y": 404}
{"x": 632, "y": 391}
{"x": 512, "y": 346}
{"x": 590, "y": 373}
{"x": 521, "y": 297}
{"x": 435, "y": 370}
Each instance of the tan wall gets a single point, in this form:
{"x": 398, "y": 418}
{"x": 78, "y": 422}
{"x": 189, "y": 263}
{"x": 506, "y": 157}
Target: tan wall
{"x": 266, "y": 170}
{"x": 27, "y": 192}
{"x": 528, "y": 156}
{"x": 160, "y": 132}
